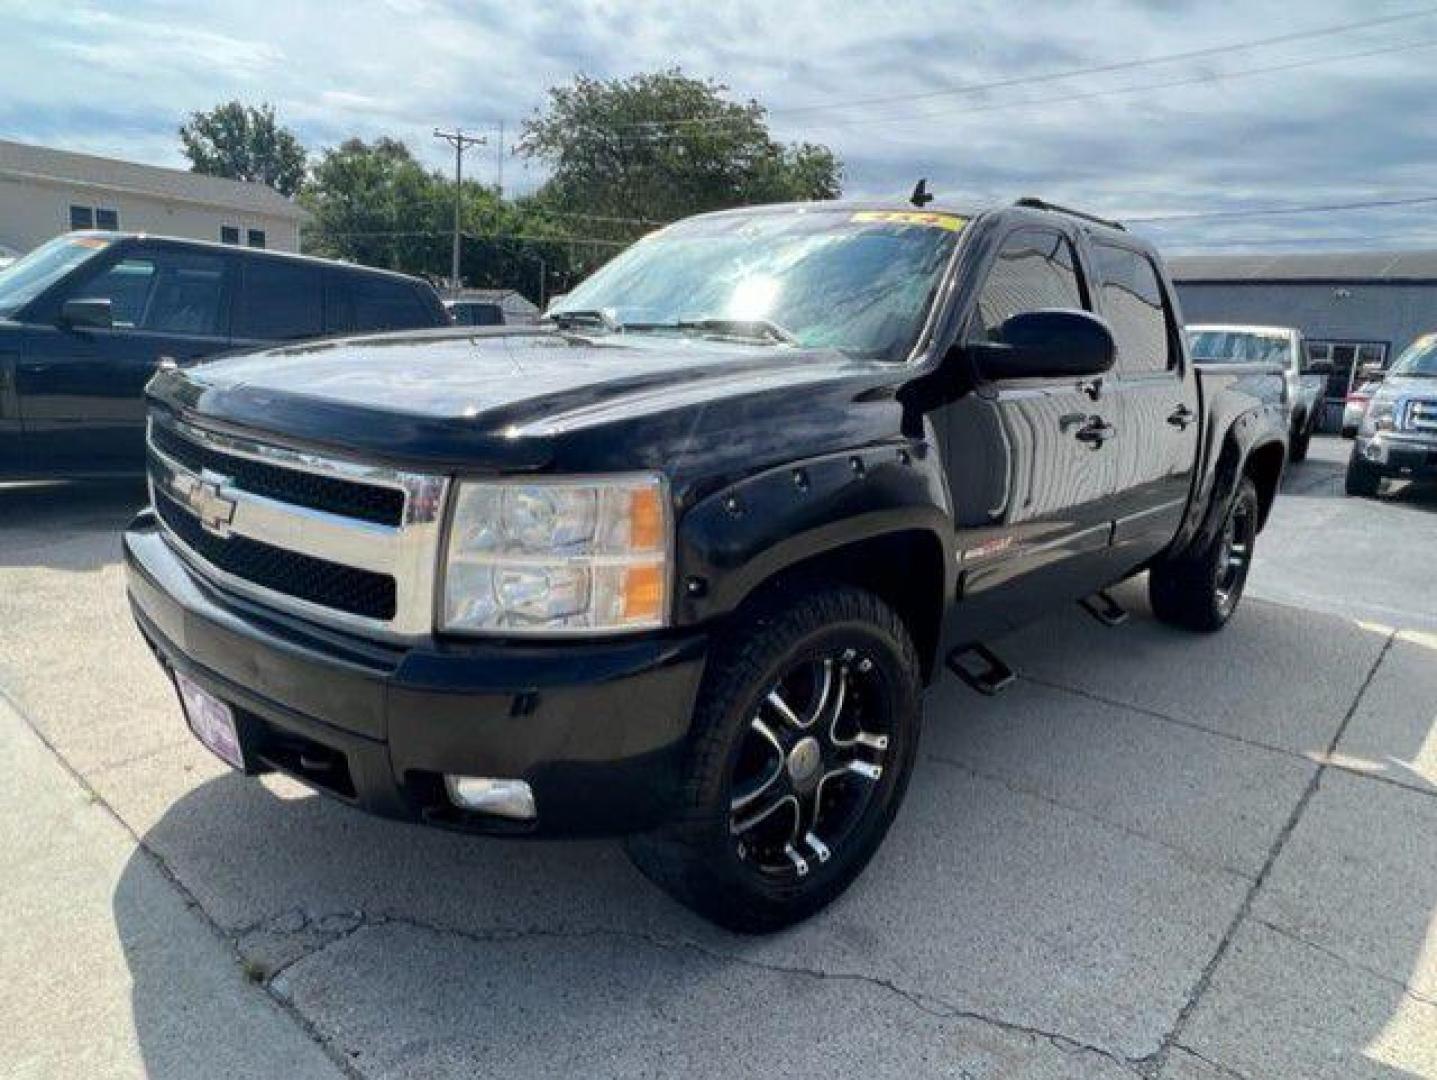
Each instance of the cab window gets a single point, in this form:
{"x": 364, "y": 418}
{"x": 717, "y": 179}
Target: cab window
{"x": 1035, "y": 269}
{"x": 1136, "y": 309}
{"x": 163, "y": 292}
{"x": 280, "y": 301}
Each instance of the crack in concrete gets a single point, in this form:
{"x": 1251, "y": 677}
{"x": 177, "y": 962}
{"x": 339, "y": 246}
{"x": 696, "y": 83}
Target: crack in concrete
{"x": 190, "y": 900}
{"x": 1347, "y": 961}
{"x": 927, "y": 1003}
{"x": 1226, "y": 1070}
{"x": 1154, "y": 1063}
{"x": 1190, "y": 859}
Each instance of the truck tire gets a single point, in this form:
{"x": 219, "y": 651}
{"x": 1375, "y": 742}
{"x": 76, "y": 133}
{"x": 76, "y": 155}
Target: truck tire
{"x": 1362, "y": 479}
{"x": 804, "y": 738}
{"x": 1297, "y": 446}
{"x": 1201, "y": 590}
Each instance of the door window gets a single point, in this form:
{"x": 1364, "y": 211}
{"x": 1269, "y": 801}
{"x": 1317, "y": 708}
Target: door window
{"x": 1035, "y": 269}
{"x": 1136, "y": 309}
{"x": 380, "y": 304}
{"x": 164, "y": 292}
{"x": 280, "y": 301}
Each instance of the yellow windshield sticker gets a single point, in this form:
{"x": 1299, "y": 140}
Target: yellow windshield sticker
{"x": 951, "y": 222}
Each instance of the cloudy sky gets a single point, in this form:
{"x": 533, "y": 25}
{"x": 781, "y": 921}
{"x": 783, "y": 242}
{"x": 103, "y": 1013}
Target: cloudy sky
{"x": 899, "y": 90}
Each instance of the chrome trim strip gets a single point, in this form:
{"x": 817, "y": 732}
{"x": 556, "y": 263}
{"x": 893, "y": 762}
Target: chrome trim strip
{"x": 408, "y": 553}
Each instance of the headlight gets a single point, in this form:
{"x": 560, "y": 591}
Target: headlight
{"x": 1381, "y": 415}
{"x": 558, "y": 556}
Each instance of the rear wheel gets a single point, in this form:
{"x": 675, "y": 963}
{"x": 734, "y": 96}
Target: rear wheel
{"x": 805, "y": 737}
{"x": 1201, "y": 591}
{"x": 1298, "y": 445}
{"x": 1362, "y": 479}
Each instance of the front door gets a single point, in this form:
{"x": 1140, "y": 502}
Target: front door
{"x": 81, "y": 389}
{"x": 1031, "y": 462}
{"x": 1158, "y": 404}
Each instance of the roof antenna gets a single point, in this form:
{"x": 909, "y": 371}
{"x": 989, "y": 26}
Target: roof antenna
{"x": 921, "y": 196}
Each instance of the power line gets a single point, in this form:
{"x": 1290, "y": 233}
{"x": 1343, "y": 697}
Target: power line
{"x": 1054, "y": 76}
{"x": 1212, "y": 77}
{"x": 1273, "y": 211}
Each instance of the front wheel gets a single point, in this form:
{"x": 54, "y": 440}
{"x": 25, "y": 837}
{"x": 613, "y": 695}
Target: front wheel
{"x": 1362, "y": 479}
{"x": 804, "y": 738}
{"x": 1201, "y": 590}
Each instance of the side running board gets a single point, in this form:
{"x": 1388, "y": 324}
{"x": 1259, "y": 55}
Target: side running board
{"x": 982, "y": 669}
{"x": 1104, "y": 608}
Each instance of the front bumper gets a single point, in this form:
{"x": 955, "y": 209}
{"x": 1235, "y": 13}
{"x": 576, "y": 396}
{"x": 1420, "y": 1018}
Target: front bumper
{"x": 1402, "y": 457}
{"x": 598, "y": 730}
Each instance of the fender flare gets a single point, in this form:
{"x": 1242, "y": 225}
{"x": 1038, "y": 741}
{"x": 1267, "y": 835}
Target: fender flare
{"x": 740, "y": 537}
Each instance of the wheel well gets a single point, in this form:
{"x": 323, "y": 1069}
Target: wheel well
{"x": 1264, "y": 466}
{"x": 905, "y": 569}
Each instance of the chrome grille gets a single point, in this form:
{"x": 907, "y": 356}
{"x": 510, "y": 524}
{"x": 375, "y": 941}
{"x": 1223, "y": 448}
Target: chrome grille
{"x": 1421, "y": 416}
{"x": 332, "y": 540}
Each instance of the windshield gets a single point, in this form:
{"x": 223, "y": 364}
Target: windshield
{"x": 1418, "y": 360}
{"x": 859, "y": 282}
{"x": 27, "y": 278}
{"x": 1238, "y": 346}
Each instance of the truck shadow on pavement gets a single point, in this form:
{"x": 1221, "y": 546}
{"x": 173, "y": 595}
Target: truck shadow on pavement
{"x": 66, "y": 526}
{"x": 1107, "y": 865}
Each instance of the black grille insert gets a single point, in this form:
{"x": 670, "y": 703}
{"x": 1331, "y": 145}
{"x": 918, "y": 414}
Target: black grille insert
{"x": 343, "y": 588}
{"x": 348, "y": 498}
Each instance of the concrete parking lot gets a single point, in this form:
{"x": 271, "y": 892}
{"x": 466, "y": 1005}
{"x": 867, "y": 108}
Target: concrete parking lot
{"x": 1159, "y": 855}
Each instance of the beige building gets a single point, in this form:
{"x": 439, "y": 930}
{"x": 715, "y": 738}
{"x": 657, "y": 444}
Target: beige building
{"x": 44, "y": 192}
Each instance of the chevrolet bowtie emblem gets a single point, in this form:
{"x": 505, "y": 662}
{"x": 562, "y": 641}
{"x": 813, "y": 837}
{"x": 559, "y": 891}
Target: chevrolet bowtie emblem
{"x": 206, "y": 501}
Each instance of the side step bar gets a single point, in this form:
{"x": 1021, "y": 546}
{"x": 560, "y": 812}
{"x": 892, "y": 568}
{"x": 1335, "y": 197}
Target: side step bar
{"x": 1104, "y": 608}
{"x": 982, "y": 669}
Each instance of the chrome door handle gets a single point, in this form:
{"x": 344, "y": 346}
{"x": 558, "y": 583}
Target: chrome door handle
{"x": 1095, "y": 432}
{"x": 1181, "y": 417}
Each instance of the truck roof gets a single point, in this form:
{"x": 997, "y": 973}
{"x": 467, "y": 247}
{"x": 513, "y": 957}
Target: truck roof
{"x": 1028, "y": 204}
{"x": 258, "y": 253}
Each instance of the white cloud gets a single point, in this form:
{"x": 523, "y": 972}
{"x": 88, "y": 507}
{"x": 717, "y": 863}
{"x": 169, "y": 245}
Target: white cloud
{"x": 118, "y": 79}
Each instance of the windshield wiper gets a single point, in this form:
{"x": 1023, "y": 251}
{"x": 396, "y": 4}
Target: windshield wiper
{"x": 572, "y": 317}
{"x": 747, "y": 328}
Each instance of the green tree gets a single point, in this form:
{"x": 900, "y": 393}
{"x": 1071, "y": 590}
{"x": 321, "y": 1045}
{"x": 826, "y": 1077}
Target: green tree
{"x": 660, "y": 146}
{"x": 375, "y": 204}
{"x": 244, "y": 143}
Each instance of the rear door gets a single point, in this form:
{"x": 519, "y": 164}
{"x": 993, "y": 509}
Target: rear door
{"x": 81, "y": 389}
{"x": 1157, "y": 400}
{"x": 1033, "y": 501}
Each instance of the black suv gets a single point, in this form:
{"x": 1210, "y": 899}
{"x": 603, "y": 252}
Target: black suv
{"x": 86, "y": 319}
{"x": 679, "y": 563}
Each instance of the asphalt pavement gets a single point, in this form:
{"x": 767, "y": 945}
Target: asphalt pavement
{"x": 1159, "y": 855}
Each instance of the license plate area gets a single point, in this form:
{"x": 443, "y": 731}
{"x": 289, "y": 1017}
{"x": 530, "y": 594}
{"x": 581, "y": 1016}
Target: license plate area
{"x": 212, "y": 721}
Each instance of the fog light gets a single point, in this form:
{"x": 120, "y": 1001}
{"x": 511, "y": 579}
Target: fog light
{"x": 1375, "y": 451}
{"x": 484, "y": 795}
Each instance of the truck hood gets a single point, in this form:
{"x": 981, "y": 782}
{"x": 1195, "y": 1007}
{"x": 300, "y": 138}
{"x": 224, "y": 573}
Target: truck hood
{"x": 535, "y": 399}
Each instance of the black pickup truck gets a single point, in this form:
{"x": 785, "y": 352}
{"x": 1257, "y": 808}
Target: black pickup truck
{"x": 679, "y": 563}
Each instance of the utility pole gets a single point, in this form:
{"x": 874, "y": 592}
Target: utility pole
{"x": 460, "y": 142}
{"x": 499, "y": 187}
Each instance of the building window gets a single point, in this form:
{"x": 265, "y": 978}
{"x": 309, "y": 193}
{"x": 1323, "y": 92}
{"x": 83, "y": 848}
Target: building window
{"x": 82, "y": 217}
{"x": 229, "y": 234}
{"x": 107, "y": 219}
{"x": 255, "y": 238}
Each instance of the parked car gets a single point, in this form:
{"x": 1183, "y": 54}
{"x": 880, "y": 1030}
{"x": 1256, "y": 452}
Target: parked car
{"x": 679, "y": 563}
{"x": 475, "y": 312}
{"x": 1283, "y": 345}
{"x": 1397, "y": 438}
{"x": 88, "y": 318}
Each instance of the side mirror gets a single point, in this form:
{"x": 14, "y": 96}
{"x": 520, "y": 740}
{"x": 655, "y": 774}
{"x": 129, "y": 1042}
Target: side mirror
{"x": 1052, "y": 344}
{"x": 92, "y": 314}
{"x": 1317, "y": 367}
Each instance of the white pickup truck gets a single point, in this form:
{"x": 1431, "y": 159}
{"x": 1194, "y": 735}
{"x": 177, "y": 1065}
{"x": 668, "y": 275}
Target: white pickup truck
{"x": 1213, "y": 343}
